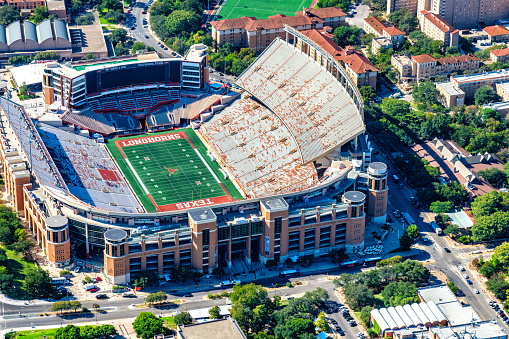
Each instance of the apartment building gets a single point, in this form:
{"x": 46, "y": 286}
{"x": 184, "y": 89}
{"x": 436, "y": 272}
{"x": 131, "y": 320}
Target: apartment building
{"x": 449, "y": 94}
{"x": 503, "y": 90}
{"x": 437, "y": 28}
{"x": 467, "y": 14}
{"x": 258, "y": 34}
{"x": 396, "y": 5}
{"x": 497, "y": 33}
{"x": 357, "y": 66}
{"x": 420, "y": 67}
{"x": 26, "y": 7}
{"x": 472, "y": 82}
{"x": 500, "y": 55}
{"x": 381, "y": 29}
{"x": 380, "y": 43}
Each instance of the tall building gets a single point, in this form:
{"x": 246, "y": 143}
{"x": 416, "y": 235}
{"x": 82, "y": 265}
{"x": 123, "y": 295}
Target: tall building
{"x": 437, "y": 28}
{"x": 380, "y": 29}
{"x": 466, "y": 14}
{"x": 258, "y": 34}
{"x": 396, "y": 5}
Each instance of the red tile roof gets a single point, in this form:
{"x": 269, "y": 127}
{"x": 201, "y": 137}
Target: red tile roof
{"x": 380, "y": 27}
{"x": 436, "y": 20}
{"x": 420, "y": 59}
{"x": 278, "y": 21}
{"x": 352, "y": 58}
{"x": 500, "y": 52}
{"x": 496, "y": 30}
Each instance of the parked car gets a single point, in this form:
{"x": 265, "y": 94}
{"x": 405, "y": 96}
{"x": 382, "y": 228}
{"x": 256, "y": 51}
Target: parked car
{"x": 475, "y": 291}
{"x": 77, "y": 269}
{"x": 101, "y": 296}
{"x": 465, "y": 276}
{"x": 461, "y": 268}
{"x": 469, "y": 282}
{"x": 447, "y": 250}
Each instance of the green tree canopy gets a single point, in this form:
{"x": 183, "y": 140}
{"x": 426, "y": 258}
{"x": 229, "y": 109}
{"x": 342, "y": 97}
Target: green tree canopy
{"x": 183, "y": 318}
{"x": 426, "y": 93}
{"x": 494, "y": 176}
{"x": 146, "y": 325}
{"x": 485, "y": 95}
{"x": 491, "y": 227}
{"x": 39, "y": 14}
{"x": 214, "y": 312}
{"x": 182, "y": 21}
{"x": 439, "y": 207}
{"x": 399, "y": 293}
{"x": 367, "y": 92}
{"x": 404, "y": 19}
{"x": 322, "y": 323}
{"x": 346, "y": 35}
{"x": 358, "y": 296}
{"x": 8, "y": 14}
{"x": 68, "y": 332}
{"x": 117, "y": 35}
{"x": 37, "y": 284}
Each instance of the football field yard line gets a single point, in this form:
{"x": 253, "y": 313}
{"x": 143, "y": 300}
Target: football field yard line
{"x": 136, "y": 175}
{"x": 208, "y": 167}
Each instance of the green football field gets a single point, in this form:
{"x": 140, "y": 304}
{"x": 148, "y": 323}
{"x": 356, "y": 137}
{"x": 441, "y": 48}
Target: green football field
{"x": 171, "y": 171}
{"x": 261, "y": 9}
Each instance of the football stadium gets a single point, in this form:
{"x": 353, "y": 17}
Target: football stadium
{"x": 147, "y": 173}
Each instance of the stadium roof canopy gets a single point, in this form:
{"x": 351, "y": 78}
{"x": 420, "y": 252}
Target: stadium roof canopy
{"x": 312, "y": 103}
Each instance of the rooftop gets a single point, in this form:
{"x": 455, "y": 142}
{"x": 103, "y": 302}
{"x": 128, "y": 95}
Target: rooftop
{"x": 500, "y": 52}
{"x": 496, "y": 30}
{"x": 437, "y": 294}
{"x": 502, "y": 87}
{"x": 92, "y": 40}
{"x": 380, "y": 27}
{"x": 436, "y": 20}
{"x": 29, "y": 74}
{"x": 202, "y": 216}
{"x": 226, "y": 328}
{"x": 502, "y": 73}
{"x": 450, "y": 88}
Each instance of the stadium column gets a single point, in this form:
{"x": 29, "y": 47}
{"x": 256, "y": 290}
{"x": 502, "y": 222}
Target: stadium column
{"x": 115, "y": 251}
{"x": 378, "y": 191}
{"x": 204, "y": 240}
{"x": 274, "y": 244}
{"x": 356, "y": 223}
{"x": 58, "y": 245}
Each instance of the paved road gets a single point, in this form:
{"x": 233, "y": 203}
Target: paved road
{"x": 446, "y": 262}
{"x": 361, "y": 12}
{"x": 140, "y": 32}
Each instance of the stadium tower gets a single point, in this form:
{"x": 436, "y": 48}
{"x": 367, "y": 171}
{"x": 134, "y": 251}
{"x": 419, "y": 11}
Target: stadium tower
{"x": 378, "y": 192}
{"x": 58, "y": 245}
{"x": 356, "y": 223}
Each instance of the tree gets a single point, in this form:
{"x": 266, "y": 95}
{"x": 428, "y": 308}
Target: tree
{"x": 182, "y": 21}
{"x": 404, "y": 19}
{"x": 491, "y": 227}
{"x": 365, "y": 315}
{"x": 37, "y": 284}
{"x": 453, "y": 287}
{"x": 494, "y": 176}
{"x": 76, "y": 5}
{"x": 452, "y": 230}
{"x": 501, "y": 254}
{"x": 8, "y": 14}
{"x": 399, "y": 293}
{"x": 413, "y": 231}
{"x": 485, "y": 95}
{"x": 250, "y": 295}
{"x": 439, "y": 207}
{"x": 183, "y": 318}
{"x": 120, "y": 49}
{"x": 367, "y": 38}
{"x": 452, "y": 50}
{"x": 358, "y": 296}
{"x": 426, "y": 93}
{"x": 39, "y": 14}
{"x": 117, "y": 35}
{"x": 214, "y": 312}
{"x": 146, "y": 325}
{"x": 87, "y": 19}
{"x": 295, "y": 328}
{"x": 23, "y": 89}
{"x": 68, "y": 332}
{"x": 322, "y": 323}
{"x": 367, "y": 93}
{"x": 137, "y": 46}
{"x": 74, "y": 304}
{"x": 405, "y": 242}
{"x": 346, "y": 35}
{"x": 343, "y": 4}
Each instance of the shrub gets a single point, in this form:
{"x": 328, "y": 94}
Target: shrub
{"x": 84, "y": 309}
{"x": 88, "y": 280}
{"x": 224, "y": 294}
{"x": 465, "y": 239}
{"x": 64, "y": 272}
{"x": 289, "y": 284}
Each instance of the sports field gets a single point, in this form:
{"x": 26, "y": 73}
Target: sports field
{"x": 170, "y": 171}
{"x": 261, "y": 9}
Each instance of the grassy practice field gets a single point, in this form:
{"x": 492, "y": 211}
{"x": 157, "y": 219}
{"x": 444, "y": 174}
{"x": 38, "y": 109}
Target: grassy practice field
{"x": 167, "y": 170}
{"x": 261, "y": 9}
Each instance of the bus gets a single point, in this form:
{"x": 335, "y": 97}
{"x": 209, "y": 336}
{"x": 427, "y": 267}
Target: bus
{"x": 350, "y": 263}
{"x": 371, "y": 261}
{"x": 395, "y": 178}
{"x": 290, "y": 273}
